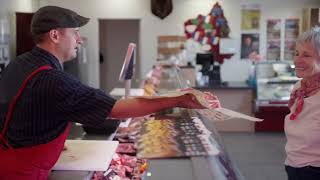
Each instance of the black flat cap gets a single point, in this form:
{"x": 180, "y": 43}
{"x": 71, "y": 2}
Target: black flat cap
{"x": 52, "y": 17}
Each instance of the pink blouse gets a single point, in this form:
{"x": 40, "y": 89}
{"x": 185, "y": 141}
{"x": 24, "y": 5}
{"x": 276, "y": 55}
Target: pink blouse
{"x": 303, "y": 134}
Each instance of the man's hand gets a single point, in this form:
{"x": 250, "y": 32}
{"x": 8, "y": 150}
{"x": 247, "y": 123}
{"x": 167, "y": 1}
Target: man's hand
{"x": 211, "y": 100}
{"x": 142, "y": 106}
{"x": 189, "y": 101}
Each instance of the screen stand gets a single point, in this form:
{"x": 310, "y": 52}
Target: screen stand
{"x": 127, "y": 86}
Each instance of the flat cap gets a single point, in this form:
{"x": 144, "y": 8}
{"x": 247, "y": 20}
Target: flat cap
{"x": 52, "y": 17}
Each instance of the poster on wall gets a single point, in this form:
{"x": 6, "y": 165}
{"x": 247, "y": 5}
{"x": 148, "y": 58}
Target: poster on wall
{"x": 291, "y": 28}
{"x": 250, "y": 17}
{"x": 249, "y": 45}
{"x": 291, "y": 34}
{"x": 289, "y": 48}
{"x": 273, "y": 28}
{"x": 273, "y": 39}
{"x": 273, "y": 49}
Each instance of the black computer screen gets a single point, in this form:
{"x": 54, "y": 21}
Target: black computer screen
{"x": 206, "y": 60}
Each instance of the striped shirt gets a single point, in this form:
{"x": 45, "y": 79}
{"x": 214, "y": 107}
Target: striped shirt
{"x": 51, "y": 100}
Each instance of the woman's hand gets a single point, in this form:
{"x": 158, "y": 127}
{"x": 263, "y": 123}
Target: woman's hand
{"x": 212, "y": 100}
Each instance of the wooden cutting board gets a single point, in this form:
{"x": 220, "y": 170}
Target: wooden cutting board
{"x": 86, "y": 155}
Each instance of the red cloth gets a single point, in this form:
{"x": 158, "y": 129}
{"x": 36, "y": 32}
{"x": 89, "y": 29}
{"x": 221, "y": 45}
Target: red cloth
{"x": 29, "y": 163}
{"x": 308, "y": 87}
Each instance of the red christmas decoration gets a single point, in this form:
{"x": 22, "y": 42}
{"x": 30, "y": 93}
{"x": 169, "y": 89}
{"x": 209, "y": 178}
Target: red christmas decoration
{"x": 207, "y": 30}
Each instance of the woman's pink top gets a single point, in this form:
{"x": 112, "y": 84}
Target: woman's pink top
{"x": 303, "y": 134}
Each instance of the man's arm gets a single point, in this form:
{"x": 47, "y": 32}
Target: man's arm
{"x": 135, "y": 107}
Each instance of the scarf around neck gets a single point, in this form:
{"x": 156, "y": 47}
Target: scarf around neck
{"x": 309, "y": 86}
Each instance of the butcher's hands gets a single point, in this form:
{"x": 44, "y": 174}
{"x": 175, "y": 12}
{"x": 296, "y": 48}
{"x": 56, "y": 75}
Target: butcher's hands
{"x": 189, "y": 101}
{"x": 192, "y": 102}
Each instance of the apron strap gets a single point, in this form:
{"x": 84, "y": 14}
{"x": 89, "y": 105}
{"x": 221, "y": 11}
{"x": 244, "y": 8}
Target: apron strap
{"x": 14, "y": 102}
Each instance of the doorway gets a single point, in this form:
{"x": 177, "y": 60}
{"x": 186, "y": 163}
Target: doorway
{"x": 114, "y": 38}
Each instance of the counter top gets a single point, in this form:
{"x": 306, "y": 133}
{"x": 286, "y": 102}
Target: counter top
{"x": 76, "y": 133}
{"x": 271, "y": 103}
{"x": 226, "y": 85}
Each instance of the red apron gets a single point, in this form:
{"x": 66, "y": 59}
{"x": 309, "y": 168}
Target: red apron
{"x": 29, "y": 163}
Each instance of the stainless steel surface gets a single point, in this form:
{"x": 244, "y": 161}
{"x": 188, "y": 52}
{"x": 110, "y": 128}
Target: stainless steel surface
{"x": 70, "y": 175}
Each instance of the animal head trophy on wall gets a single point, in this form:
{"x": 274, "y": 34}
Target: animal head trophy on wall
{"x": 208, "y": 30}
{"x": 161, "y": 8}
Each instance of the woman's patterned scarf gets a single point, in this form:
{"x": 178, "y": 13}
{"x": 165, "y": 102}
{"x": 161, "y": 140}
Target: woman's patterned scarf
{"x": 309, "y": 86}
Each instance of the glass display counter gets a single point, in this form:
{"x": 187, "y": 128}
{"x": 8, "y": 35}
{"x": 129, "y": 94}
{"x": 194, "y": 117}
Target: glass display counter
{"x": 215, "y": 167}
{"x": 275, "y": 80}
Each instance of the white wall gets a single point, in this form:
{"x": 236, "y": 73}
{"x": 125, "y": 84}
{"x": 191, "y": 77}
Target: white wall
{"x": 10, "y": 6}
{"x": 152, "y": 26}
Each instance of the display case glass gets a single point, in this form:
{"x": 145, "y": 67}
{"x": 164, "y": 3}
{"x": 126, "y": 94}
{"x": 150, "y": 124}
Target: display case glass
{"x": 275, "y": 80}
{"x": 218, "y": 166}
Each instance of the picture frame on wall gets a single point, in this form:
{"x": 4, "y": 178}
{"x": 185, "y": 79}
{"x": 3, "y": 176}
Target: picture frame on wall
{"x": 249, "y": 45}
{"x": 273, "y": 49}
{"x": 273, "y": 39}
{"x": 292, "y": 27}
{"x": 273, "y": 28}
{"x": 289, "y": 49}
{"x": 251, "y": 15}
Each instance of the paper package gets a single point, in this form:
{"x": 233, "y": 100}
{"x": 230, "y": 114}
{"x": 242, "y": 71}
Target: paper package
{"x": 215, "y": 114}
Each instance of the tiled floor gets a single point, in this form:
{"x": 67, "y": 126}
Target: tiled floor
{"x": 259, "y": 156}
